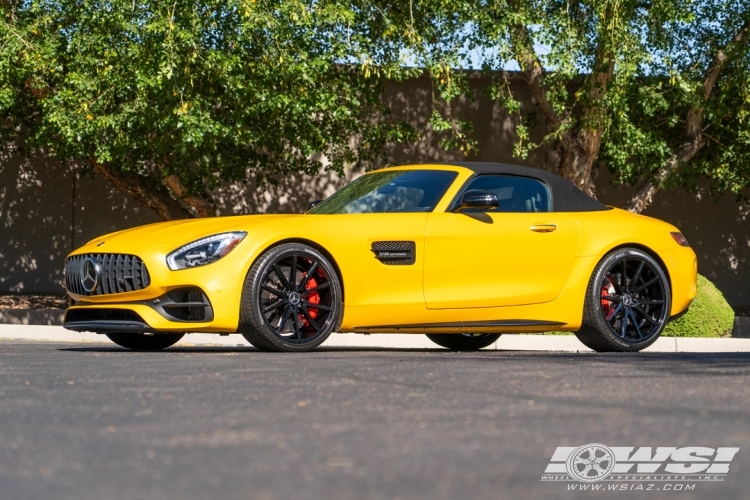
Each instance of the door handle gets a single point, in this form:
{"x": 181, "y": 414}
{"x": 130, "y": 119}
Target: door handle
{"x": 543, "y": 228}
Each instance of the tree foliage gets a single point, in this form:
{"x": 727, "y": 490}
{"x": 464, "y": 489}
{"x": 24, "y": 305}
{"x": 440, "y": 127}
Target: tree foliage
{"x": 167, "y": 99}
{"x": 656, "y": 91}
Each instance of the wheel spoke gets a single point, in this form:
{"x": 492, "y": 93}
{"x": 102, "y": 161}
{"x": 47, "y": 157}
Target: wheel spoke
{"x": 297, "y": 329}
{"x": 293, "y": 272}
{"x": 634, "y": 322}
{"x": 310, "y": 319}
{"x": 611, "y": 298}
{"x": 308, "y": 275}
{"x": 316, "y": 306}
{"x": 624, "y": 325}
{"x": 614, "y": 283}
{"x": 647, "y": 284}
{"x": 614, "y": 313}
{"x": 284, "y": 317}
{"x": 646, "y": 315}
{"x": 651, "y": 302}
{"x": 275, "y": 305}
{"x": 624, "y": 281}
{"x": 322, "y": 286}
{"x": 272, "y": 290}
{"x": 638, "y": 273}
{"x": 282, "y": 278}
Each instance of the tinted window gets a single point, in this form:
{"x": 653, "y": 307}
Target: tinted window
{"x": 515, "y": 194}
{"x": 389, "y": 191}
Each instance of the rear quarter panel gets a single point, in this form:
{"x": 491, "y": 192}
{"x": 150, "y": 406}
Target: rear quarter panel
{"x": 602, "y": 232}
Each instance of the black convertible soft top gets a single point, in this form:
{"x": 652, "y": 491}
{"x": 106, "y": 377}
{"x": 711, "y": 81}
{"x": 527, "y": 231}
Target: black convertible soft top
{"x": 565, "y": 196}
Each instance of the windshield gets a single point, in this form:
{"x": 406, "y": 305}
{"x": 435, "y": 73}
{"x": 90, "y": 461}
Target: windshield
{"x": 389, "y": 191}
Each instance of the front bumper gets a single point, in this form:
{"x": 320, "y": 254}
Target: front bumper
{"x": 160, "y": 307}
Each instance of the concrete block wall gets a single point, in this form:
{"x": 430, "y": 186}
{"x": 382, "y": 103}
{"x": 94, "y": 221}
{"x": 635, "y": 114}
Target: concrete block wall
{"x": 46, "y": 209}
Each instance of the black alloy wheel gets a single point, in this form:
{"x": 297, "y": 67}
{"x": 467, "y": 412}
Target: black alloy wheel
{"x": 628, "y": 303}
{"x": 291, "y": 300}
{"x": 144, "y": 342}
{"x": 463, "y": 341}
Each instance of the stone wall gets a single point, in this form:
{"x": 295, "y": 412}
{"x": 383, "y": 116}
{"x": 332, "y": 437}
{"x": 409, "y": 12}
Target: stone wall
{"x": 46, "y": 210}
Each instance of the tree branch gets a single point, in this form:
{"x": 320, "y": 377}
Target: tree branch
{"x": 148, "y": 196}
{"x": 203, "y": 206}
{"x": 579, "y": 147}
{"x": 694, "y": 138}
{"x": 533, "y": 71}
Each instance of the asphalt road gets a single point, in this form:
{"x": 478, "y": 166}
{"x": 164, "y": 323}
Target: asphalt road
{"x": 97, "y": 422}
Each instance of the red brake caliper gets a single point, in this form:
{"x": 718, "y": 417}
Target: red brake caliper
{"x": 608, "y": 288}
{"x": 313, "y": 298}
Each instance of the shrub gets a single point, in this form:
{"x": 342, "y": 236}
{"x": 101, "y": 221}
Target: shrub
{"x": 709, "y": 316}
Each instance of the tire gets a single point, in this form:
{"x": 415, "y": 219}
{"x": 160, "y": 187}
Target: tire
{"x": 464, "y": 341}
{"x": 140, "y": 342}
{"x": 628, "y": 302}
{"x": 283, "y": 311}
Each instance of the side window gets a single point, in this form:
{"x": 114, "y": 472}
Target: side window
{"x": 515, "y": 194}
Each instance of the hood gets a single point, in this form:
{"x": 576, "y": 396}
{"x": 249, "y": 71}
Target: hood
{"x": 186, "y": 230}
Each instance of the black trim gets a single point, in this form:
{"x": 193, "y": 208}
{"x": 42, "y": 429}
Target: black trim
{"x": 566, "y": 197}
{"x": 183, "y": 305}
{"x": 108, "y": 326}
{"x": 101, "y": 319}
{"x": 465, "y": 324}
{"x": 395, "y": 253}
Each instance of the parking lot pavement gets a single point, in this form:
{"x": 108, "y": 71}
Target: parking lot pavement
{"x": 557, "y": 343}
{"x": 92, "y": 421}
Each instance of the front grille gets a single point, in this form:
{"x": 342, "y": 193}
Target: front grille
{"x": 119, "y": 273}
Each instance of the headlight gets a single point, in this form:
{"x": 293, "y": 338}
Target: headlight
{"x": 204, "y": 251}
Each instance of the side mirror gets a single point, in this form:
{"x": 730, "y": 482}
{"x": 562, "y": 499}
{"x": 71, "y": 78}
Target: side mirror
{"x": 313, "y": 203}
{"x": 478, "y": 200}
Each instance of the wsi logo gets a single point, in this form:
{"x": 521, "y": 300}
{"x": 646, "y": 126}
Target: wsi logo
{"x": 598, "y": 462}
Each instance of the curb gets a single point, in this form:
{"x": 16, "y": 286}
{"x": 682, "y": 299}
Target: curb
{"x": 740, "y": 327}
{"x": 515, "y": 342}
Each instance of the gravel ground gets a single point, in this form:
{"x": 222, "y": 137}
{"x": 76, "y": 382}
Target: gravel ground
{"x": 28, "y": 301}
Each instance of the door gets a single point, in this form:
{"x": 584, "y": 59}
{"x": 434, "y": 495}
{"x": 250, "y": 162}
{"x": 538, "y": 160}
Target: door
{"x": 520, "y": 253}
{"x": 375, "y": 227}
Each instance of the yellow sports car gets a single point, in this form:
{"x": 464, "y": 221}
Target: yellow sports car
{"x": 461, "y": 252}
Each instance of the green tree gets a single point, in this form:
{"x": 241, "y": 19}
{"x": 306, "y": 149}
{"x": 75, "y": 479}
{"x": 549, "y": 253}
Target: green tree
{"x": 166, "y": 100}
{"x": 656, "y": 91}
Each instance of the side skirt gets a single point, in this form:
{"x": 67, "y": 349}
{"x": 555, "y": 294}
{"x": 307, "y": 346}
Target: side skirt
{"x": 461, "y": 326}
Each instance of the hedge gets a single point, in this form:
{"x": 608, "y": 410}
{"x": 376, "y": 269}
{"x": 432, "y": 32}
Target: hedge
{"x": 709, "y": 315}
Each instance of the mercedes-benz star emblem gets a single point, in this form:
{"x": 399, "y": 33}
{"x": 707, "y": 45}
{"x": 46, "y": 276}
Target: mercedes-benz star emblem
{"x": 90, "y": 272}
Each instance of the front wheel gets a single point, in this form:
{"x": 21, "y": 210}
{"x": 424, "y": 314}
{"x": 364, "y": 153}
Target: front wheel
{"x": 291, "y": 301}
{"x": 628, "y": 303}
{"x": 464, "y": 341}
{"x": 141, "y": 342}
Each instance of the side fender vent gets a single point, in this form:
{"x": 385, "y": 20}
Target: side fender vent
{"x": 395, "y": 253}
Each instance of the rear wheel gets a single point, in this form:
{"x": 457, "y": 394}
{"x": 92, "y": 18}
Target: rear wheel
{"x": 627, "y": 303}
{"x": 464, "y": 341}
{"x": 142, "y": 342}
{"x": 291, "y": 301}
